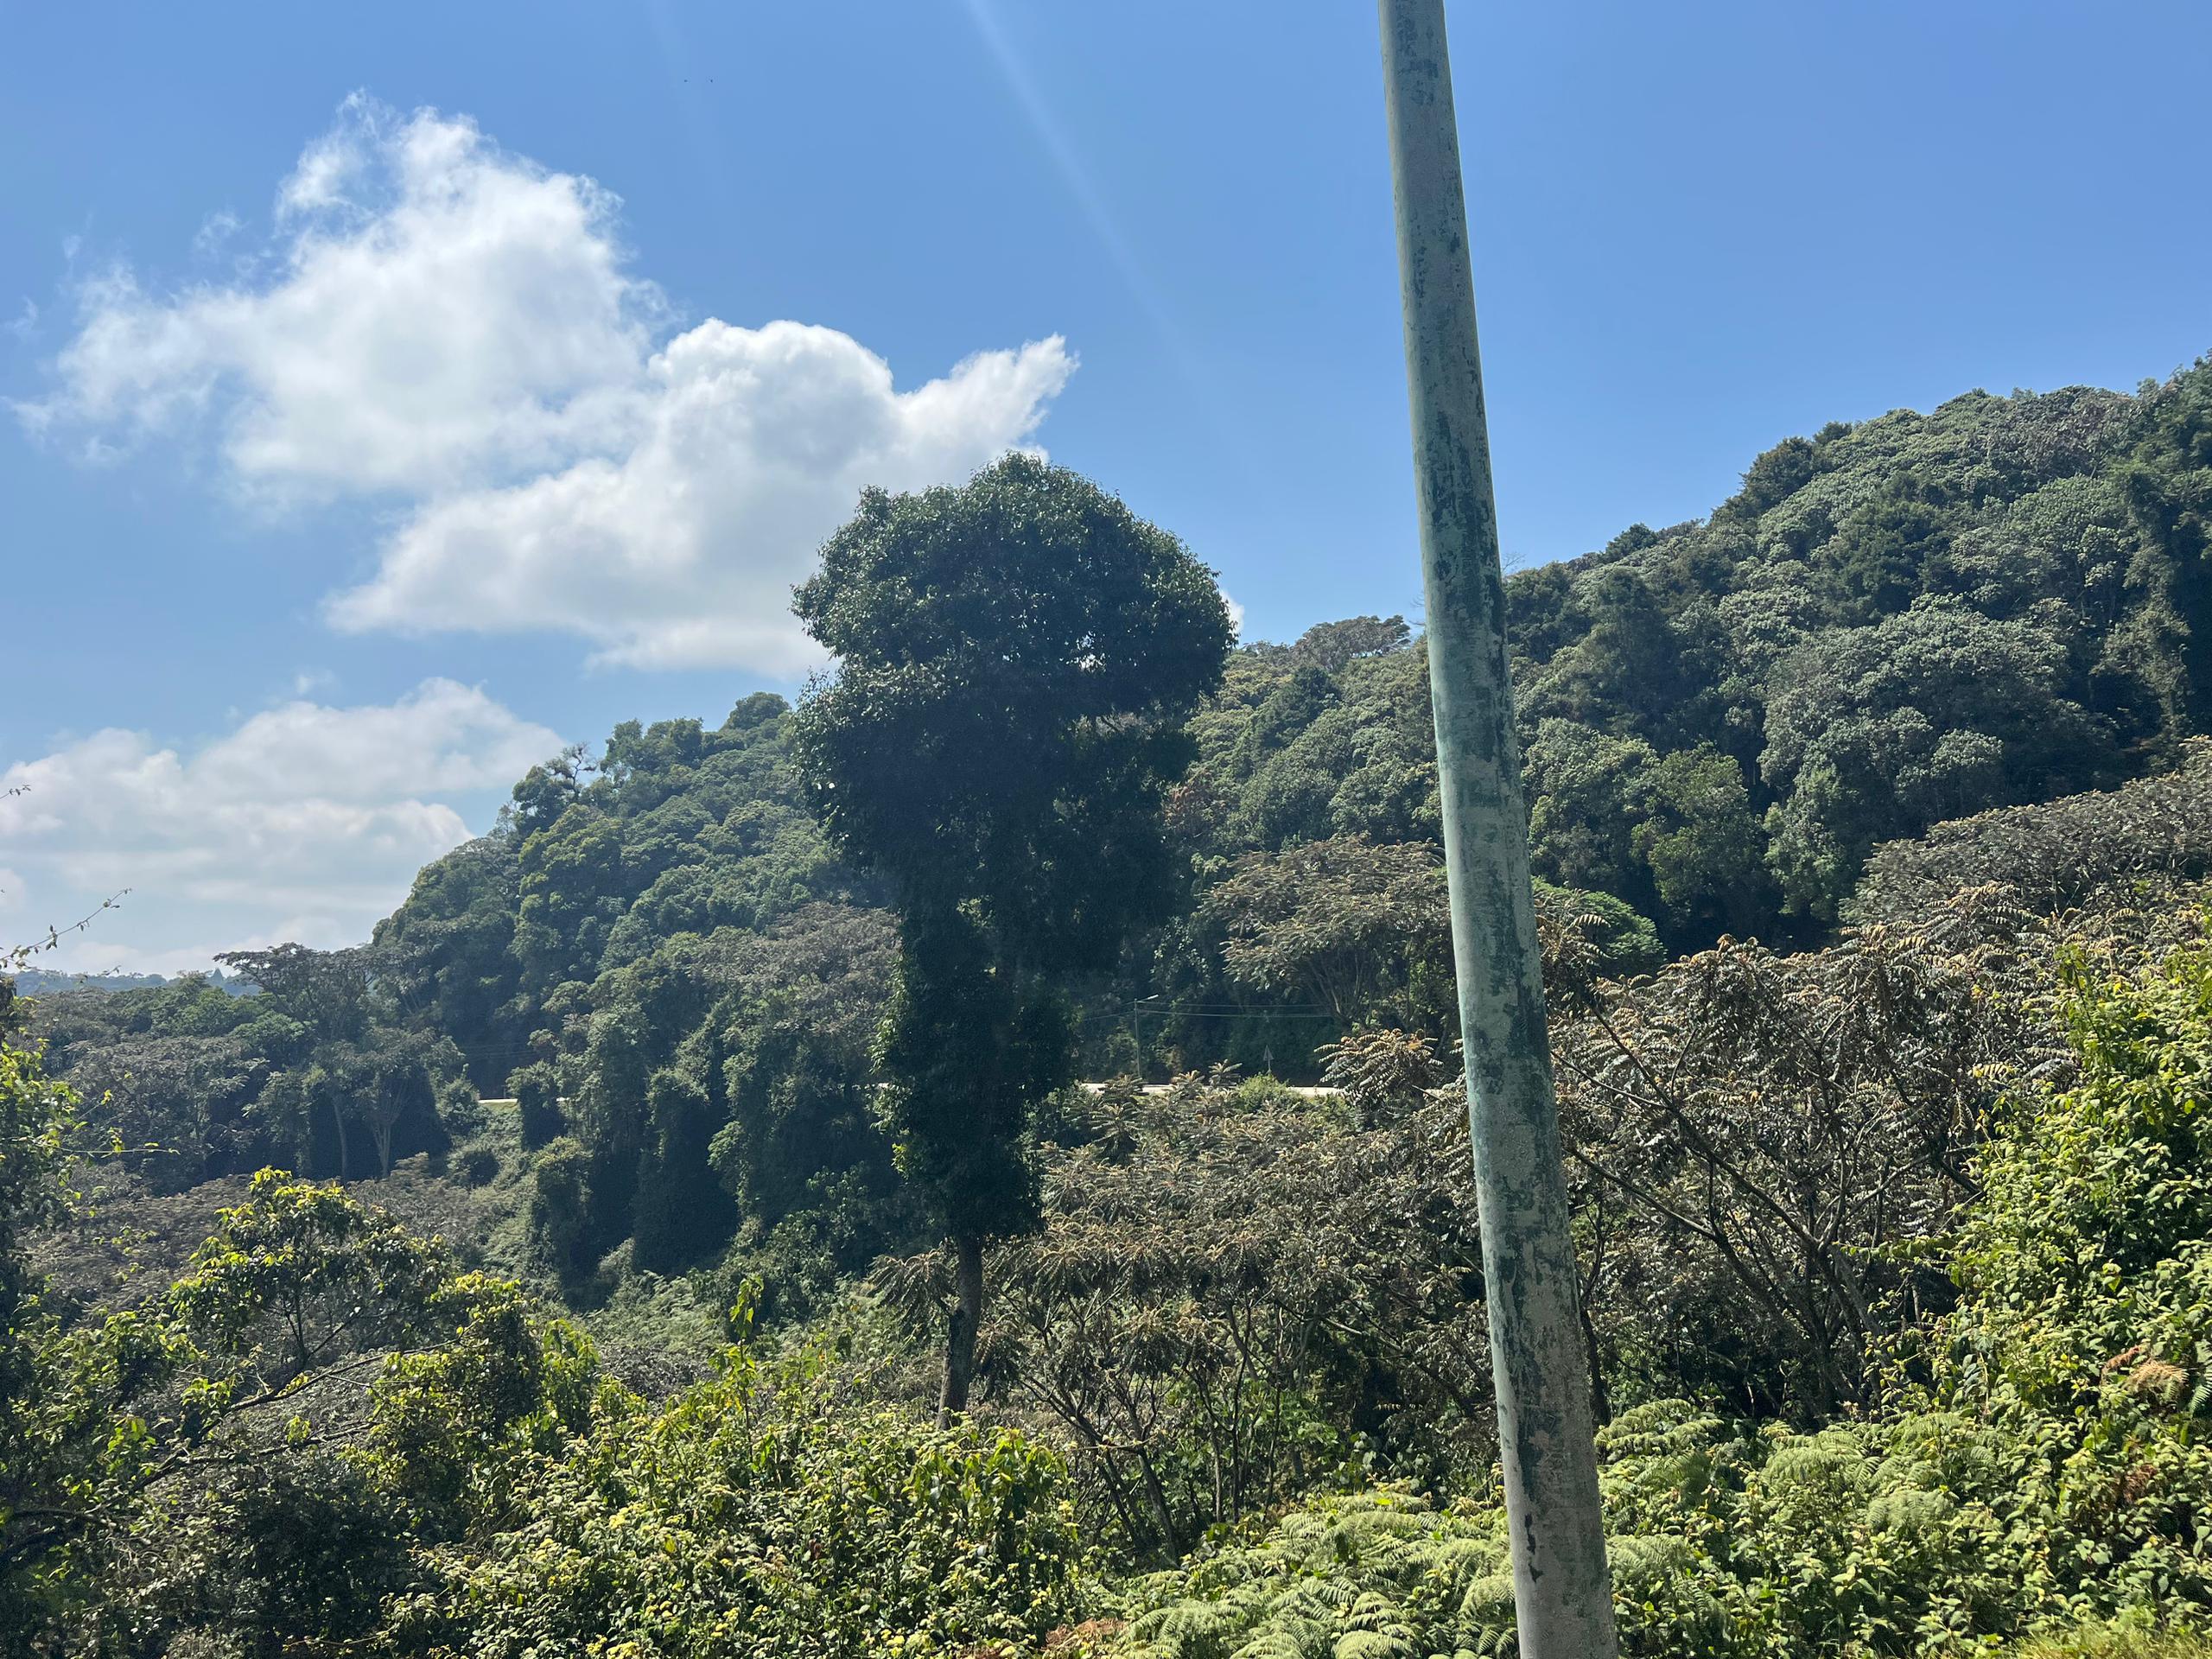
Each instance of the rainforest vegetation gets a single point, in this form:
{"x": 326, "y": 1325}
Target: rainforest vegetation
{"x": 974, "y": 1163}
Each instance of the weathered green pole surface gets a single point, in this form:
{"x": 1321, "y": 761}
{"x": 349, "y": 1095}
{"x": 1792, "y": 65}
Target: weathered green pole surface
{"x": 1561, "y": 1592}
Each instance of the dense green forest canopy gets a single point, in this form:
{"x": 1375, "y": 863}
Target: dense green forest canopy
{"x": 1932, "y": 1372}
{"x": 1870, "y": 816}
{"x": 1892, "y": 624}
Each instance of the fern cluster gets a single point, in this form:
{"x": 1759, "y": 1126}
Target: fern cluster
{"x": 2042, "y": 1456}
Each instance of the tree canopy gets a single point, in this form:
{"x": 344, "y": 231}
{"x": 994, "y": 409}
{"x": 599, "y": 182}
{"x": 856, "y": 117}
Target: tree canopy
{"x": 1016, "y": 659}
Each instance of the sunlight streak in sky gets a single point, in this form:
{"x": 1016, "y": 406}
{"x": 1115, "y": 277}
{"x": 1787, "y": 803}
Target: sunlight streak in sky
{"x": 1077, "y": 179}
{"x": 1072, "y": 172}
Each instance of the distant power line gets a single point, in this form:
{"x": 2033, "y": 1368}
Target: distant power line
{"x": 1236, "y": 1011}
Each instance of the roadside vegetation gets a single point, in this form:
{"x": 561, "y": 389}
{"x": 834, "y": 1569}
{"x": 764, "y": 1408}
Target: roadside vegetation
{"x": 694, "y": 1234}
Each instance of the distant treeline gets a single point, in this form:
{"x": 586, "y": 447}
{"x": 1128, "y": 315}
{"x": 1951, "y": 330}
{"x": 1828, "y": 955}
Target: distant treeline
{"x": 45, "y": 982}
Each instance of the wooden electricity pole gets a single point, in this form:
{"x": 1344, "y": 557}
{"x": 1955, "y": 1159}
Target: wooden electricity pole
{"x": 1561, "y": 1592}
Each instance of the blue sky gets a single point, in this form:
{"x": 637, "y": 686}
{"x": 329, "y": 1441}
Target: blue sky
{"x": 397, "y": 391}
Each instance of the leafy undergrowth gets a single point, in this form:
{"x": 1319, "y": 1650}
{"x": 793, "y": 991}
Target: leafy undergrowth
{"x": 738, "y": 1523}
{"x": 2113, "y": 1642}
{"x": 2044, "y": 1458}
{"x": 331, "y": 1429}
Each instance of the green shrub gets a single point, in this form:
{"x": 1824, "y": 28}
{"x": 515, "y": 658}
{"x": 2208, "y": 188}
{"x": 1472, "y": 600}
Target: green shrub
{"x": 456, "y": 1429}
{"x": 559, "y": 1198}
{"x": 460, "y": 1108}
{"x": 537, "y": 1091}
{"x": 2044, "y": 1457}
{"x": 288, "y": 1554}
{"x": 1256, "y": 1093}
{"x": 2111, "y": 1642}
{"x": 2084, "y": 1335}
{"x": 753, "y": 1519}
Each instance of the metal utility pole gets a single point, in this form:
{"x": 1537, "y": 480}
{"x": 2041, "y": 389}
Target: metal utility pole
{"x": 1562, "y": 1594}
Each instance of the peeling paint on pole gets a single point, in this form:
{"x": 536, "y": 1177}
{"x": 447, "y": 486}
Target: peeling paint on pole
{"x": 1561, "y": 1590}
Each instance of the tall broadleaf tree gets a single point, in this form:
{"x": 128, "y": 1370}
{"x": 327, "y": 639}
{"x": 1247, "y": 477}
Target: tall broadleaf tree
{"x": 1016, "y": 661}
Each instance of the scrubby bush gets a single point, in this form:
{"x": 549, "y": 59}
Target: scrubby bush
{"x": 2042, "y": 1454}
{"x": 2056, "y": 854}
{"x": 459, "y": 1108}
{"x": 2114, "y": 1641}
{"x": 754, "y": 1518}
{"x": 325, "y": 1440}
{"x": 559, "y": 1198}
{"x": 537, "y": 1092}
{"x": 1236, "y": 1292}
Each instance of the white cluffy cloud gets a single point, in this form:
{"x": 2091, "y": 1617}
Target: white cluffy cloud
{"x": 752, "y": 445}
{"x": 448, "y": 328}
{"x": 304, "y": 822}
{"x": 429, "y": 310}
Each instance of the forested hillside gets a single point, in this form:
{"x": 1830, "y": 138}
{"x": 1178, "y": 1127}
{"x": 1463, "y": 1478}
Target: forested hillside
{"x": 1904, "y": 621}
{"x": 1871, "y": 814}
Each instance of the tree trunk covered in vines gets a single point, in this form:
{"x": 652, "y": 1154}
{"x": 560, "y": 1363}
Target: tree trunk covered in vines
{"x": 960, "y": 1335}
